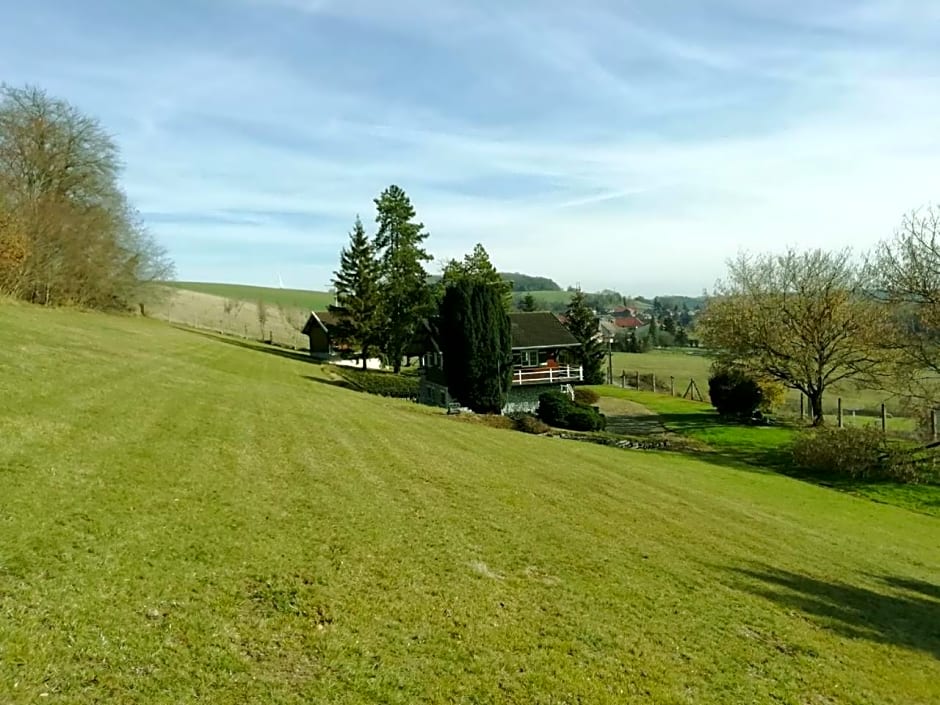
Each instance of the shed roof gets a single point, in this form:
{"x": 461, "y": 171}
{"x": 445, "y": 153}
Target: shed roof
{"x": 539, "y": 330}
{"x": 323, "y": 319}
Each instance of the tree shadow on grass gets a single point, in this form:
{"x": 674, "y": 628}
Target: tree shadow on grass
{"x": 256, "y": 347}
{"x": 906, "y": 614}
{"x": 341, "y": 383}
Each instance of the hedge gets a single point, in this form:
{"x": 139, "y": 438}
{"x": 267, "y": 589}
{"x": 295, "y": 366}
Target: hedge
{"x": 558, "y": 410}
{"x": 385, "y": 384}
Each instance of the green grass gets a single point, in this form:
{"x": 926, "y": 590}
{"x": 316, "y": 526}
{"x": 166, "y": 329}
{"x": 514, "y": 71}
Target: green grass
{"x": 766, "y": 447}
{"x": 186, "y": 520}
{"x": 292, "y": 298}
{"x": 685, "y": 364}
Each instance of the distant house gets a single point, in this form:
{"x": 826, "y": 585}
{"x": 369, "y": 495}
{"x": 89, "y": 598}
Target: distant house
{"x": 627, "y": 322}
{"x": 542, "y": 361}
{"x": 320, "y": 328}
{"x": 326, "y": 343}
{"x": 623, "y": 312}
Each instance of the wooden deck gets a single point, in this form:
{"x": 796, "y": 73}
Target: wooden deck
{"x": 563, "y": 374}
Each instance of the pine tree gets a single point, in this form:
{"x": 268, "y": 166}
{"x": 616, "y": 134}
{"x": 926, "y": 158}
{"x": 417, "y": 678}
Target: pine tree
{"x": 477, "y": 267}
{"x": 528, "y": 304}
{"x": 583, "y": 324}
{"x": 669, "y": 324}
{"x": 357, "y": 292}
{"x": 405, "y": 294}
{"x": 652, "y": 335}
{"x": 476, "y": 343}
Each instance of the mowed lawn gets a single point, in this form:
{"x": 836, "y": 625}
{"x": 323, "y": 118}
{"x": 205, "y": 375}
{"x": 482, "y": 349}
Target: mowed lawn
{"x": 291, "y": 298}
{"x": 187, "y": 520}
{"x": 685, "y": 364}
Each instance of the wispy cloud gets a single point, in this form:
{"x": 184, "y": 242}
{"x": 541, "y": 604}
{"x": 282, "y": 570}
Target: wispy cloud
{"x": 633, "y": 146}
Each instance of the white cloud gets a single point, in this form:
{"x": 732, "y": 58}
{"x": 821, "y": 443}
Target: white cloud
{"x": 615, "y": 146}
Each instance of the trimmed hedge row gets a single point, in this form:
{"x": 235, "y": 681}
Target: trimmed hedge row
{"x": 385, "y": 384}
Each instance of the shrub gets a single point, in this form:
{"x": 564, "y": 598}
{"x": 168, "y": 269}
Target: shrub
{"x": 733, "y": 392}
{"x": 527, "y": 423}
{"x": 553, "y": 407}
{"x": 558, "y": 410}
{"x": 583, "y": 395}
{"x": 494, "y": 421}
{"x": 584, "y": 418}
{"x": 386, "y": 384}
{"x": 860, "y": 453}
{"x": 773, "y": 395}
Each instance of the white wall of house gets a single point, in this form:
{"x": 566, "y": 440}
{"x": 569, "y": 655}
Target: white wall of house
{"x": 372, "y": 363}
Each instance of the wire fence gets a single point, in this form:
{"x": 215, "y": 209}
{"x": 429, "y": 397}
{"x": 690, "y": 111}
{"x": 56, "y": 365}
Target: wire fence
{"x": 838, "y": 410}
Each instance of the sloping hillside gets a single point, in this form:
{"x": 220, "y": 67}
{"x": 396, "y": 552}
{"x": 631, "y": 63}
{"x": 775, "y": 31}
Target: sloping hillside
{"x": 184, "y": 519}
{"x": 290, "y": 298}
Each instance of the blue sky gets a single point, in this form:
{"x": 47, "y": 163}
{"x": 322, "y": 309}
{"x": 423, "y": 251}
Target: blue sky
{"x": 631, "y": 145}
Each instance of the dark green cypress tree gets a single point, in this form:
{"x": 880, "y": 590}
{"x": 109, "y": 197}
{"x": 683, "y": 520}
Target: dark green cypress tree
{"x": 528, "y": 304}
{"x": 583, "y": 324}
{"x": 477, "y": 345}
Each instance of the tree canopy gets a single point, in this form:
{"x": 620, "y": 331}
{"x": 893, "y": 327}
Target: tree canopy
{"x": 906, "y": 273}
{"x": 406, "y": 295}
{"x": 804, "y": 319}
{"x": 583, "y": 324}
{"x": 476, "y": 344}
{"x": 357, "y": 292}
{"x": 476, "y": 266}
{"x": 67, "y": 232}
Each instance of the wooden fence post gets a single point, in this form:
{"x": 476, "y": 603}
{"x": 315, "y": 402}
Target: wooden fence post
{"x": 653, "y": 381}
{"x": 884, "y": 419}
{"x": 933, "y": 425}
{"x": 623, "y": 379}
{"x": 839, "y": 412}
{"x": 672, "y": 386}
{"x": 637, "y": 380}
{"x": 802, "y": 407}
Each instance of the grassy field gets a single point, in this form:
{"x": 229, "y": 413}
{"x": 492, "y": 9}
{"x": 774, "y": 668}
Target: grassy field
{"x": 290, "y": 298}
{"x": 233, "y": 316}
{"x": 686, "y": 364}
{"x": 190, "y": 519}
{"x": 769, "y": 446}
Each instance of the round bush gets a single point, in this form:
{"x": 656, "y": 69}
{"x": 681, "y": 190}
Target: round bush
{"x": 583, "y": 395}
{"x": 527, "y": 423}
{"x": 734, "y": 393}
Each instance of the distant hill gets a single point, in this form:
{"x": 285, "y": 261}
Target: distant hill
{"x": 520, "y": 282}
{"x": 526, "y": 282}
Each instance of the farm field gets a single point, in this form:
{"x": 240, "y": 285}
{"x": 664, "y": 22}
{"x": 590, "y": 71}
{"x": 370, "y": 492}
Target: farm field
{"x": 290, "y": 298}
{"x": 188, "y": 518}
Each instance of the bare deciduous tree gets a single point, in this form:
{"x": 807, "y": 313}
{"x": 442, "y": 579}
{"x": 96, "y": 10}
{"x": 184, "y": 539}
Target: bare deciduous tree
{"x": 67, "y": 232}
{"x": 804, "y": 319}
{"x": 262, "y": 310}
{"x": 906, "y": 272}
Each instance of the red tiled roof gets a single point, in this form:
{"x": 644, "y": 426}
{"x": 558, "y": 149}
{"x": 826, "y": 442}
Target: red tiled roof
{"x": 628, "y": 322}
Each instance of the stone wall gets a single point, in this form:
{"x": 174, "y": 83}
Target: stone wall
{"x": 526, "y": 399}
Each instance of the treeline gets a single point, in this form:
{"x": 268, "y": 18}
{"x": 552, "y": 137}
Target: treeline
{"x": 812, "y": 319}
{"x": 525, "y": 282}
{"x": 68, "y": 234}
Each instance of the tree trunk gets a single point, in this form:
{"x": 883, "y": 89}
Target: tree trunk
{"x": 365, "y": 357}
{"x": 816, "y": 407}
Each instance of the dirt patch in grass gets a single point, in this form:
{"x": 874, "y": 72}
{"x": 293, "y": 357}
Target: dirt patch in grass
{"x": 627, "y": 418}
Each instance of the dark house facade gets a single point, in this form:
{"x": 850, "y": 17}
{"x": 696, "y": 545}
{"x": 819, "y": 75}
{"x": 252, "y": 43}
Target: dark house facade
{"x": 542, "y": 361}
{"x": 320, "y": 328}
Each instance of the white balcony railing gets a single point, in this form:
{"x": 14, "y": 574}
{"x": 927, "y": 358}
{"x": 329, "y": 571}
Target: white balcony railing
{"x": 547, "y": 375}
